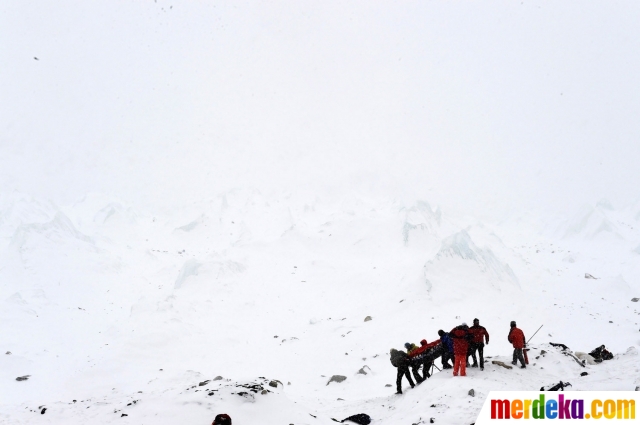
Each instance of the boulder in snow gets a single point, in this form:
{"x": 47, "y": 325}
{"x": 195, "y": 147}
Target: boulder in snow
{"x": 362, "y": 370}
{"x": 368, "y": 318}
{"x": 336, "y": 378}
{"x": 503, "y": 364}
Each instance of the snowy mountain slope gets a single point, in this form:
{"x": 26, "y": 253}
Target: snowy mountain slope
{"x": 192, "y": 396}
{"x": 98, "y": 298}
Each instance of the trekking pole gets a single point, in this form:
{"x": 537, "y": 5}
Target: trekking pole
{"x": 524, "y": 350}
{"x": 535, "y": 333}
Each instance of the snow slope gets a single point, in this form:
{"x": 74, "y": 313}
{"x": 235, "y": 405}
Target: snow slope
{"x": 106, "y": 305}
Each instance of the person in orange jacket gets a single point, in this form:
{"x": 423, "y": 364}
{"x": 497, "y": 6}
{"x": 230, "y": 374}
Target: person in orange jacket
{"x": 516, "y": 338}
{"x": 460, "y": 335}
{"x": 479, "y": 335}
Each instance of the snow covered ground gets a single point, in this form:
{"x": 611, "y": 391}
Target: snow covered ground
{"x": 115, "y": 311}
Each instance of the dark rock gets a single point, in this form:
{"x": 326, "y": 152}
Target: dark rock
{"x": 499, "y": 363}
{"x": 543, "y": 352}
{"x": 588, "y": 276}
{"x": 367, "y": 319}
{"x": 274, "y": 384}
{"x": 336, "y": 378}
{"x": 388, "y": 385}
{"x": 124, "y": 414}
{"x": 8, "y": 353}
{"x": 263, "y": 392}
{"x": 584, "y": 374}
{"x": 633, "y": 300}
{"x": 362, "y": 371}
{"x": 23, "y": 378}
{"x": 472, "y": 393}
{"x": 218, "y": 378}
{"x": 43, "y": 410}
{"x": 203, "y": 383}
{"x": 432, "y": 420}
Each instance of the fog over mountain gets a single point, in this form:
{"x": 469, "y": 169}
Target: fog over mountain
{"x": 479, "y": 106}
{"x": 212, "y": 207}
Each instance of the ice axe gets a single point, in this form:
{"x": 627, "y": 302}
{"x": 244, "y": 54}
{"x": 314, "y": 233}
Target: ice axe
{"x": 526, "y": 357}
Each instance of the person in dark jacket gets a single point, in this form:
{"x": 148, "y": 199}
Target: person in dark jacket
{"x": 478, "y": 335}
{"x": 222, "y": 419}
{"x": 424, "y": 356}
{"x": 460, "y": 335}
{"x": 447, "y": 354}
{"x": 516, "y": 338}
{"x": 401, "y": 360}
{"x": 414, "y": 365}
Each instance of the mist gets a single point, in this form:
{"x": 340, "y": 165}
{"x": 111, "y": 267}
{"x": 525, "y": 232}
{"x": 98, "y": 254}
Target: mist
{"x": 484, "y": 107}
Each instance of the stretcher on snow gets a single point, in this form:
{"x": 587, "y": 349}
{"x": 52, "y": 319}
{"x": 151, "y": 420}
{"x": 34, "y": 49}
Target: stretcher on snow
{"x": 431, "y": 354}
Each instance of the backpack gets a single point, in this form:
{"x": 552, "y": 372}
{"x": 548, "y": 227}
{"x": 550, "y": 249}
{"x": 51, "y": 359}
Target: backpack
{"x": 600, "y": 354}
{"x": 222, "y": 419}
{"x": 360, "y": 418}
{"x": 394, "y": 358}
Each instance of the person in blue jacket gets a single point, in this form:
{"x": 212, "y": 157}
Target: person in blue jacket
{"x": 447, "y": 343}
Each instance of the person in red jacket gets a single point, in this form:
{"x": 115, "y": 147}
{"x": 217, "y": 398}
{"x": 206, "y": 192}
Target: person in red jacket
{"x": 479, "y": 334}
{"x": 516, "y": 338}
{"x": 460, "y": 335}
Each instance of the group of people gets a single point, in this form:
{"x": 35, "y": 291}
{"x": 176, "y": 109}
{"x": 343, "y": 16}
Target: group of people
{"x": 458, "y": 345}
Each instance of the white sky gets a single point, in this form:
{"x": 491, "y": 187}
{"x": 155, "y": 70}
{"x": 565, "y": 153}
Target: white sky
{"x": 473, "y": 104}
